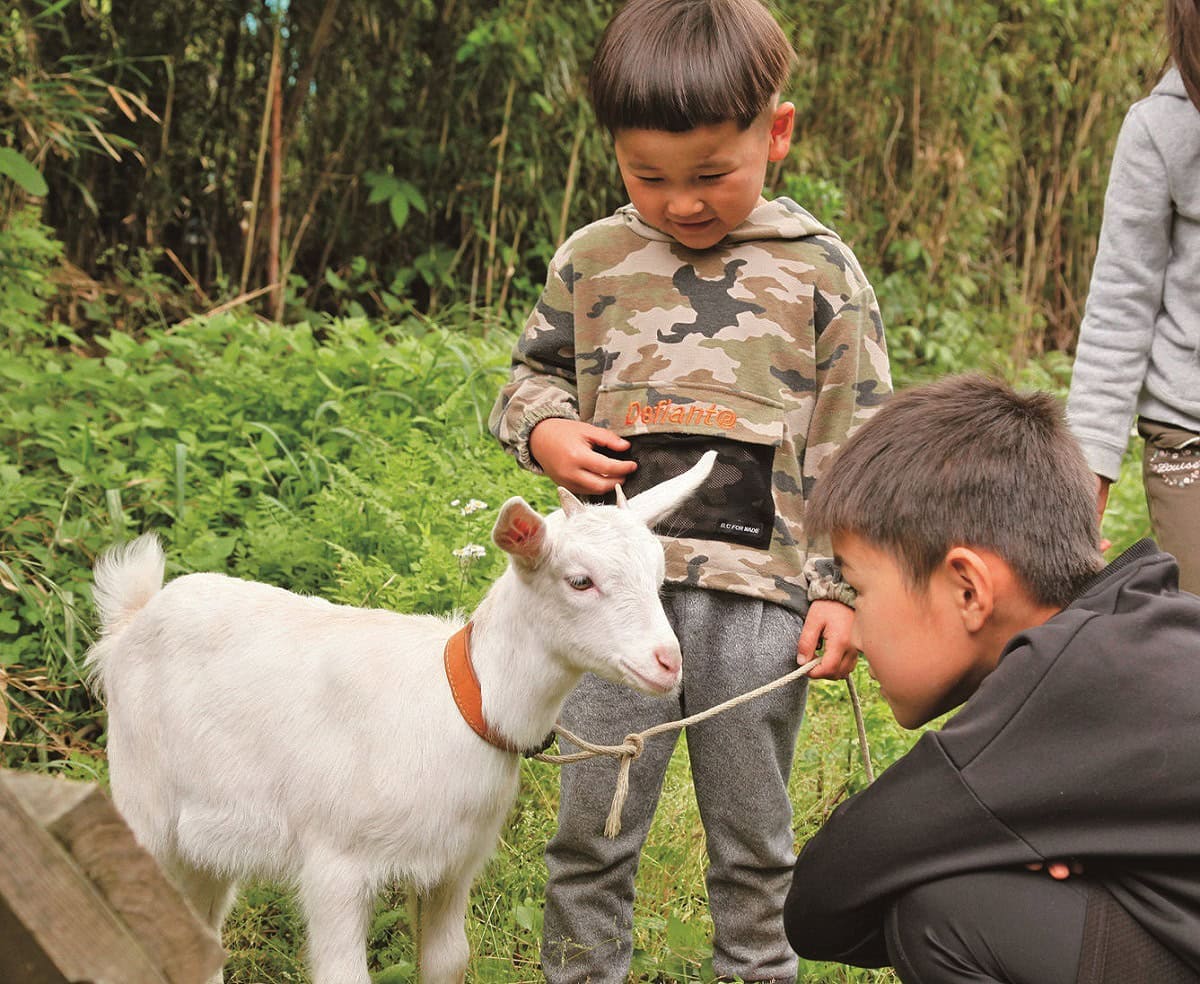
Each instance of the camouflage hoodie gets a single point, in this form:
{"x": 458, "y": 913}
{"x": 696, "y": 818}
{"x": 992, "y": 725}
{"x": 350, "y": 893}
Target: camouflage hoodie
{"x": 768, "y": 347}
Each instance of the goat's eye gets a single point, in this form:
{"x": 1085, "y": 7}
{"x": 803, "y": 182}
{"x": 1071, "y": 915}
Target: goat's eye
{"x": 580, "y": 582}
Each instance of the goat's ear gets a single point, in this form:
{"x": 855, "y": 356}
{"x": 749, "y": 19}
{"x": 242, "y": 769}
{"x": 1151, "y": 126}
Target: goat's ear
{"x": 520, "y": 531}
{"x": 570, "y": 505}
{"x": 664, "y": 498}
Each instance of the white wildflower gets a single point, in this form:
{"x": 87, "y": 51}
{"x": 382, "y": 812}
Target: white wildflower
{"x": 473, "y": 505}
{"x": 470, "y": 553}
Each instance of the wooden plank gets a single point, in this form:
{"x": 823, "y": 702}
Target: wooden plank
{"x": 86, "y": 823}
{"x": 60, "y": 909}
{"x": 21, "y": 959}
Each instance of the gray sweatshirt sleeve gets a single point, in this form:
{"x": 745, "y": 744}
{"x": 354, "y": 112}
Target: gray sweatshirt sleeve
{"x": 1124, "y": 299}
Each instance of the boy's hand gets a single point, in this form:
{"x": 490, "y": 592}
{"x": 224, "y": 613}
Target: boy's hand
{"x": 1058, "y": 870}
{"x": 566, "y": 451}
{"x": 831, "y": 622}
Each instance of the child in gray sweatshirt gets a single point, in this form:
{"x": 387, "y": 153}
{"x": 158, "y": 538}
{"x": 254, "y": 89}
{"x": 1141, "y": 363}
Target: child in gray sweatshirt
{"x": 1139, "y": 344}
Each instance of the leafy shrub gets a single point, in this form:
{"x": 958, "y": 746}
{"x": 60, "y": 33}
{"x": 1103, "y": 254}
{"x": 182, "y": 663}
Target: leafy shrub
{"x": 28, "y": 253}
{"x": 265, "y": 451}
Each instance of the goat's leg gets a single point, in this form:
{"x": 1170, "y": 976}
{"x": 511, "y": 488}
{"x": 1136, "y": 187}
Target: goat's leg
{"x": 210, "y": 896}
{"x": 336, "y": 896}
{"x": 442, "y": 932}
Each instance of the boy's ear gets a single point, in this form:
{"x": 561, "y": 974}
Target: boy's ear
{"x": 973, "y": 582}
{"x": 783, "y": 120}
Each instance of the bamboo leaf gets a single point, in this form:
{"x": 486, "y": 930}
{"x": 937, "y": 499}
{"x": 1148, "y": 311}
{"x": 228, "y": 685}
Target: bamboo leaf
{"x": 100, "y": 138}
{"x": 52, "y": 9}
{"x": 122, "y": 105}
{"x": 14, "y": 166}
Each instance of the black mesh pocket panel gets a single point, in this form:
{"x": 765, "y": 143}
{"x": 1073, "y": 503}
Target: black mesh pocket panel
{"x": 734, "y": 504}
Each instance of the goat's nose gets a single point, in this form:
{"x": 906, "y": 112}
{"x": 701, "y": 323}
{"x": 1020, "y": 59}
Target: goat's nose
{"x": 668, "y": 658}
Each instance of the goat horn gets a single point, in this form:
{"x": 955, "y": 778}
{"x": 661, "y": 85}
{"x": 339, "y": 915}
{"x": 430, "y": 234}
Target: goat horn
{"x": 622, "y": 502}
{"x": 570, "y": 504}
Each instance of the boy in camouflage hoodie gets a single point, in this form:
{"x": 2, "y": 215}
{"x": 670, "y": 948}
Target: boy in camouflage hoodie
{"x": 699, "y": 316}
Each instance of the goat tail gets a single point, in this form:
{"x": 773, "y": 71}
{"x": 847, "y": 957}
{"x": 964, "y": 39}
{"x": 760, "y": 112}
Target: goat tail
{"x": 125, "y": 578}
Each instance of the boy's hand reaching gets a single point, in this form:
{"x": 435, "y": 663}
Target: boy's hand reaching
{"x": 829, "y": 622}
{"x": 1058, "y": 870}
{"x": 566, "y": 451}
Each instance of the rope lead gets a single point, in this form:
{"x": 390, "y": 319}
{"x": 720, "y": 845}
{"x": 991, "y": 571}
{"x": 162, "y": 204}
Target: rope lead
{"x": 633, "y": 744}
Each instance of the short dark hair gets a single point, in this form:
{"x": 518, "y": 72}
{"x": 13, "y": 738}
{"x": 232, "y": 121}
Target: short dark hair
{"x": 678, "y": 64}
{"x": 968, "y": 461}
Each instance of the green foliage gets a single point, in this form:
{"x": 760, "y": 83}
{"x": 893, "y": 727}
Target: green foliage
{"x": 28, "y": 251}
{"x": 270, "y": 452}
{"x": 19, "y": 170}
{"x": 973, "y": 175}
{"x": 433, "y": 155}
{"x": 400, "y": 196}
{"x": 1126, "y": 520}
{"x": 58, "y": 114}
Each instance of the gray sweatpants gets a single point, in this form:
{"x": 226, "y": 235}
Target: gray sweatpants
{"x": 741, "y": 760}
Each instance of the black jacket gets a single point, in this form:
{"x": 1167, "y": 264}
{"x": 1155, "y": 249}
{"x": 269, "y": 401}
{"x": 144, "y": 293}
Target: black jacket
{"x": 1084, "y": 742}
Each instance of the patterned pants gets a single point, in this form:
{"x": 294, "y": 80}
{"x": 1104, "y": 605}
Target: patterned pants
{"x": 1171, "y": 473}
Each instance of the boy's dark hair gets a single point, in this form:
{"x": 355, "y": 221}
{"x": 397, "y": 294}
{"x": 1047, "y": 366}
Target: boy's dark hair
{"x": 967, "y": 461}
{"x": 678, "y": 64}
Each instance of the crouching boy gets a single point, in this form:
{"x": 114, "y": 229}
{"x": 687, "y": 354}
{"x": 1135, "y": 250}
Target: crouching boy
{"x": 1049, "y": 833}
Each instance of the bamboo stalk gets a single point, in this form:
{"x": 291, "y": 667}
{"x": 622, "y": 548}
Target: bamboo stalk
{"x": 264, "y": 129}
{"x": 1020, "y": 341}
{"x": 451, "y": 267}
{"x": 510, "y": 267}
{"x": 226, "y": 306}
{"x": 1050, "y": 231}
{"x": 502, "y": 144}
{"x": 276, "y": 181}
{"x": 188, "y": 276}
{"x": 497, "y": 180}
{"x": 572, "y": 175}
{"x": 473, "y": 294}
{"x": 340, "y": 214}
{"x": 308, "y": 70}
{"x": 164, "y": 142}
{"x": 319, "y": 189}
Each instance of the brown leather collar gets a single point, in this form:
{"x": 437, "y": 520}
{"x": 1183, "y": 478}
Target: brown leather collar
{"x": 464, "y": 685}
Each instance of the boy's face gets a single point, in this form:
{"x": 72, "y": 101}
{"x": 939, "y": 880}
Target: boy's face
{"x": 697, "y": 185}
{"x": 922, "y": 645}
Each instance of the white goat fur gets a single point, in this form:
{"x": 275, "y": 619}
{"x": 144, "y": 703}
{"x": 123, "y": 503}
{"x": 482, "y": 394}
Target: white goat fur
{"x": 256, "y": 732}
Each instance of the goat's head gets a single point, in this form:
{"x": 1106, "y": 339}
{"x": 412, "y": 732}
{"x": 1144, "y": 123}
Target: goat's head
{"x": 594, "y": 574}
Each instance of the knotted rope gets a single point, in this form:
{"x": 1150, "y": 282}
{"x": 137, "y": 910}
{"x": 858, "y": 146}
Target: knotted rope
{"x": 633, "y": 744}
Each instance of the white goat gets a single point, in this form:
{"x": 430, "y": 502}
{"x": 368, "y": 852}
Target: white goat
{"x": 253, "y": 731}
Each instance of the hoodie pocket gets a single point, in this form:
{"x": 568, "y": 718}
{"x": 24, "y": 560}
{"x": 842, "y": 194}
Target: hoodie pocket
{"x": 668, "y": 434}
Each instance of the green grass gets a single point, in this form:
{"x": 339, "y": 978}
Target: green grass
{"x": 672, "y": 926}
{"x": 334, "y": 461}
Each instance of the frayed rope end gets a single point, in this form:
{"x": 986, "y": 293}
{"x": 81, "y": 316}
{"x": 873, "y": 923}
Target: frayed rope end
{"x": 612, "y": 826}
